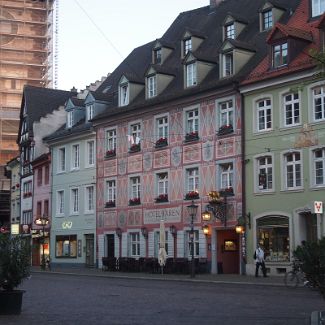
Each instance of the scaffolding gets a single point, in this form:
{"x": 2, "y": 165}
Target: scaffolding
{"x": 27, "y": 51}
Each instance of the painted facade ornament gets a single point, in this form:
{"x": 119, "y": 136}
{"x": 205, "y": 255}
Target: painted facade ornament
{"x": 147, "y": 161}
{"x": 122, "y": 167}
{"x": 207, "y": 151}
{"x": 176, "y": 156}
{"x": 306, "y": 137}
{"x": 122, "y": 219}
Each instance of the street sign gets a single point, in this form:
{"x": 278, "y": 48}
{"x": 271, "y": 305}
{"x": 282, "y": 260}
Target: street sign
{"x": 318, "y": 207}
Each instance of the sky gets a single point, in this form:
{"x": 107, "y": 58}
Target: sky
{"x": 95, "y": 36}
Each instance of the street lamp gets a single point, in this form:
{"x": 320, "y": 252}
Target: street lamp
{"x": 192, "y": 210}
{"x": 42, "y": 221}
{"x": 217, "y": 207}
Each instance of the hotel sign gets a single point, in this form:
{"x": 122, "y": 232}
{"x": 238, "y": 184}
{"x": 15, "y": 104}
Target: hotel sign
{"x": 155, "y": 215}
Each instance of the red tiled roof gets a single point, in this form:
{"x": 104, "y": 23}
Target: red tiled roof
{"x": 289, "y": 31}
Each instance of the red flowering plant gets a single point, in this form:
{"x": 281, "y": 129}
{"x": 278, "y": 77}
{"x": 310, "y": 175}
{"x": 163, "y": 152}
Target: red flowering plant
{"x": 17, "y": 185}
{"x": 162, "y": 198}
{"x": 110, "y": 204}
{"x": 134, "y": 201}
{"x": 225, "y": 129}
{"x": 161, "y": 142}
{"x": 135, "y": 147}
{"x": 110, "y": 153}
{"x": 191, "y": 195}
{"x": 192, "y": 136}
{"x": 228, "y": 191}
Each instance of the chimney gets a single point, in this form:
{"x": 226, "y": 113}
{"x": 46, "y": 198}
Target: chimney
{"x": 215, "y": 3}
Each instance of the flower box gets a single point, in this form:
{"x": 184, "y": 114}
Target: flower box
{"x": 110, "y": 153}
{"x": 192, "y": 195}
{"x": 162, "y": 198}
{"x": 135, "y": 147}
{"x": 17, "y": 185}
{"x": 229, "y": 191}
{"x": 162, "y": 142}
{"x": 135, "y": 201}
{"x": 192, "y": 136}
{"x": 225, "y": 129}
{"x": 110, "y": 204}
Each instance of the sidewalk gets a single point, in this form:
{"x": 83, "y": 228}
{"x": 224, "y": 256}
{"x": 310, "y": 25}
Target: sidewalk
{"x": 209, "y": 278}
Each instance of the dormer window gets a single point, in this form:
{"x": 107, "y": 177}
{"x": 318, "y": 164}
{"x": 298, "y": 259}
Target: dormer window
{"x": 191, "y": 74}
{"x": 228, "y": 67}
{"x": 280, "y": 55}
{"x": 318, "y": 7}
{"x": 152, "y": 86}
{"x": 70, "y": 119}
{"x": 124, "y": 94}
{"x": 157, "y": 56}
{"x": 90, "y": 112}
{"x": 267, "y": 18}
{"x": 230, "y": 31}
{"x": 187, "y": 45}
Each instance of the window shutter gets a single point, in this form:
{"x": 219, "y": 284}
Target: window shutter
{"x": 180, "y": 243}
{"x": 101, "y": 252}
{"x": 151, "y": 244}
{"x": 116, "y": 246}
{"x": 142, "y": 246}
{"x": 125, "y": 244}
{"x": 202, "y": 244}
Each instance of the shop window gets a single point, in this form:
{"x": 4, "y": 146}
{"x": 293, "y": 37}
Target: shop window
{"x": 66, "y": 246}
{"x": 273, "y": 234}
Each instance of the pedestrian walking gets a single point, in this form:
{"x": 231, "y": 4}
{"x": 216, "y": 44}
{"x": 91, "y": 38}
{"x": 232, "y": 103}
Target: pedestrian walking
{"x": 260, "y": 261}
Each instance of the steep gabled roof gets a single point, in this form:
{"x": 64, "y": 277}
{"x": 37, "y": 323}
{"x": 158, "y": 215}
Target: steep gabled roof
{"x": 289, "y": 31}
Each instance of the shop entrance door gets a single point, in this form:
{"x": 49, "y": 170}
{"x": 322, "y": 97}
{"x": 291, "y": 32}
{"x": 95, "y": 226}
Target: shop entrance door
{"x": 110, "y": 246}
{"x": 90, "y": 260}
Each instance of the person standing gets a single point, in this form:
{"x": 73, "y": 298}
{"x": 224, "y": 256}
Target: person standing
{"x": 259, "y": 260}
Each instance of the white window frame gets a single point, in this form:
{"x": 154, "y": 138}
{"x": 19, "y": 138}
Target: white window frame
{"x": 318, "y": 7}
{"x": 152, "y": 86}
{"x": 226, "y": 111}
{"x": 111, "y": 190}
{"x": 135, "y": 187}
{"x": 282, "y": 50}
{"x": 75, "y": 156}
{"x": 191, "y": 74}
{"x": 157, "y": 55}
{"x": 69, "y": 119}
{"x": 124, "y": 94}
{"x": 111, "y": 139}
{"x": 192, "y": 179}
{"x": 74, "y": 201}
{"x": 90, "y": 199}
{"x": 162, "y": 127}
{"x": 90, "y": 153}
{"x": 290, "y": 101}
{"x": 320, "y": 98}
{"x": 295, "y": 165}
{"x": 187, "y": 45}
{"x": 320, "y": 161}
{"x": 267, "y": 19}
{"x": 196, "y": 242}
{"x": 162, "y": 183}
{"x": 192, "y": 120}
{"x": 90, "y": 112}
{"x": 267, "y": 168}
{"x": 227, "y": 64}
{"x": 60, "y": 202}
{"x": 226, "y": 175}
{"x": 135, "y": 133}
{"x": 267, "y": 111}
{"x": 230, "y": 32}
{"x": 134, "y": 244}
{"x": 62, "y": 154}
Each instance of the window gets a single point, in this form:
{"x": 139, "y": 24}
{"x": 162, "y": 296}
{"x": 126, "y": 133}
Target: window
{"x": 319, "y": 166}
{"x": 319, "y": 103}
{"x": 74, "y": 201}
{"x": 227, "y": 65}
{"x": 265, "y": 173}
{"x": 46, "y": 208}
{"x": 273, "y": 234}
{"x": 192, "y": 121}
{"x": 90, "y": 153}
{"x": 293, "y": 170}
{"x": 60, "y": 202}
{"x": 264, "y": 115}
{"x": 226, "y": 111}
{"x": 226, "y": 176}
{"x": 75, "y": 156}
{"x": 39, "y": 209}
{"x": 111, "y": 140}
{"x": 280, "y": 55}
{"x": 90, "y": 112}
{"x": 162, "y": 185}
{"x": 318, "y": 7}
{"x": 291, "y": 109}
{"x": 135, "y": 244}
{"x": 157, "y": 56}
{"x": 39, "y": 176}
{"x": 66, "y": 246}
{"x": 135, "y": 136}
{"x": 27, "y": 217}
{"x": 135, "y": 187}
{"x": 230, "y": 31}
{"x": 157, "y": 236}
{"x": 27, "y": 189}
{"x": 89, "y": 199}
{"x": 267, "y": 19}
{"x": 47, "y": 175}
{"x": 124, "y": 95}
{"x": 61, "y": 162}
{"x": 191, "y": 75}
{"x": 192, "y": 180}
{"x": 187, "y": 46}
{"x": 111, "y": 191}
{"x": 195, "y": 243}
{"x": 162, "y": 127}
{"x": 70, "y": 119}
{"x": 152, "y": 86}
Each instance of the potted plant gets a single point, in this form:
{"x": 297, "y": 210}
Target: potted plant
{"x": 192, "y": 195}
{"x": 191, "y": 136}
{"x": 161, "y": 142}
{"x": 14, "y": 268}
